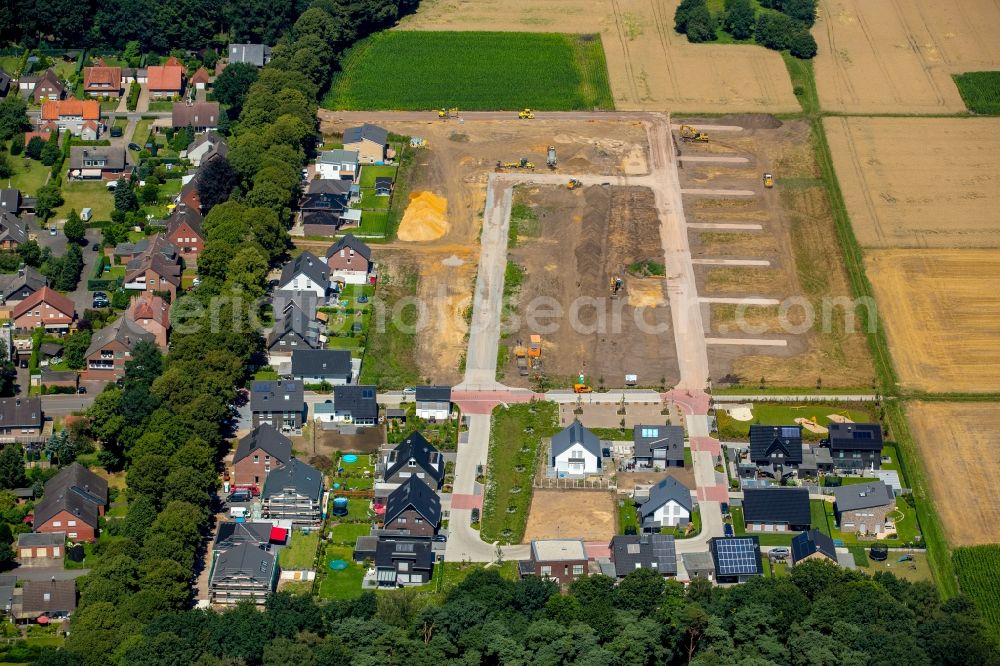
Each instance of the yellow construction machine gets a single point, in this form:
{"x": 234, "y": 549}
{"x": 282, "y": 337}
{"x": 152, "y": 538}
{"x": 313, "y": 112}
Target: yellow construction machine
{"x": 689, "y": 133}
{"x": 616, "y": 285}
{"x": 581, "y": 385}
{"x": 527, "y": 114}
{"x": 573, "y": 183}
{"x": 768, "y": 180}
{"x": 448, "y": 113}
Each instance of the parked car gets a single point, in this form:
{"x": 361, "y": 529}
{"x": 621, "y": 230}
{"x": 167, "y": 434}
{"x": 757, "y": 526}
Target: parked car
{"x": 238, "y": 496}
{"x": 53, "y": 231}
{"x": 96, "y": 247}
{"x": 440, "y": 538}
{"x": 409, "y": 389}
{"x": 779, "y": 552}
{"x": 727, "y": 529}
{"x": 101, "y": 300}
{"x": 134, "y": 146}
{"x": 116, "y": 132}
{"x": 81, "y": 389}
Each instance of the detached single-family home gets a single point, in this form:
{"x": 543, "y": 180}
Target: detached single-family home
{"x": 699, "y": 565}
{"x": 643, "y": 551}
{"x": 855, "y": 447}
{"x": 669, "y": 505}
{"x": 111, "y": 348}
{"x": 736, "y": 559}
{"x": 184, "y": 231}
{"x": 153, "y": 270}
{"x": 72, "y": 502}
{"x": 151, "y": 313}
{"x": 337, "y": 164}
{"x": 575, "y": 451}
{"x": 401, "y": 562}
{"x": 293, "y": 331}
{"x": 414, "y": 457}
{"x": 258, "y": 454}
{"x": 413, "y": 508}
{"x": 102, "y": 81}
{"x": 243, "y": 573}
{"x": 21, "y": 416}
{"x": 5, "y": 82}
{"x": 41, "y": 549}
{"x": 71, "y": 115}
{"x": 349, "y": 261}
{"x": 201, "y": 116}
{"x": 126, "y": 252}
{"x": 776, "y": 509}
{"x": 561, "y": 560}
{"x": 658, "y": 446}
{"x": 863, "y": 508}
{"x": 813, "y": 545}
{"x": 46, "y": 87}
{"x": 305, "y": 272}
{"x": 200, "y": 79}
{"x": 257, "y": 55}
{"x": 229, "y": 534}
{"x": 433, "y": 403}
{"x": 166, "y": 80}
{"x": 280, "y": 403}
{"x": 333, "y": 186}
{"x": 355, "y": 404}
{"x": 323, "y": 211}
{"x": 13, "y": 231}
{"x": 15, "y": 287}
{"x": 776, "y": 450}
{"x": 368, "y": 141}
{"x": 55, "y": 599}
{"x": 294, "y": 492}
{"x": 91, "y": 162}
{"x": 207, "y": 147}
{"x": 46, "y": 308}
{"x": 315, "y": 366}
{"x": 10, "y": 200}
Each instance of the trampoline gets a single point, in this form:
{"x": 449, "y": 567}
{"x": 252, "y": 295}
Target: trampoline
{"x": 338, "y": 565}
{"x": 350, "y": 458}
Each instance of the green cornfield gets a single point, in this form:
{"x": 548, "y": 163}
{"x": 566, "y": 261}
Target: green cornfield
{"x": 980, "y": 91}
{"x": 977, "y": 568}
{"x": 474, "y": 71}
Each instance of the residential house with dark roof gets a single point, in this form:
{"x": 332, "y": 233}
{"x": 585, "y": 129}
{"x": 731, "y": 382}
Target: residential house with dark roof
{"x": 306, "y": 272}
{"x": 41, "y": 549}
{"x": 291, "y": 333}
{"x": 776, "y": 450}
{"x": 207, "y": 147}
{"x": 737, "y": 559}
{"x": 355, "y": 404}
{"x": 699, "y": 565}
{"x": 5, "y": 82}
{"x": 102, "y": 81}
{"x": 153, "y": 271}
{"x": 658, "y": 446}
{"x": 189, "y": 193}
{"x": 151, "y": 313}
{"x": 279, "y": 403}
{"x": 47, "y": 87}
{"x": 669, "y": 505}
{"x": 229, "y": 534}
{"x": 559, "y": 560}
{"x": 257, "y": 55}
{"x": 165, "y": 80}
{"x": 383, "y": 186}
{"x": 259, "y": 453}
{"x": 776, "y": 509}
{"x": 369, "y": 141}
{"x": 93, "y": 162}
{"x": 294, "y": 492}
{"x": 855, "y": 447}
{"x": 400, "y": 562}
{"x": 433, "y": 403}
{"x": 243, "y": 573}
{"x": 813, "y": 545}
{"x": 46, "y": 308}
{"x": 330, "y": 186}
{"x": 414, "y": 457}
{"x": 73, "y": 501}
{"x": 70, "y": 115}
{"x": 349, "y": 261}
{"x": 184, "y": 231}
{"x": 656, "y": 552}
{"x": 126, "y": 252}
{"x": 334, "y": 164}
{"x": 13, "y": 231}
{"x": 864, "y": 508}
{"x": 10, "y": 200}
{"x": 55, "y": 599}
{"x": 202, "y": 116}
{"x": 111, "y": 348}
{"x": 21, "y": 416}
{"x": 316, "y": 366}
{"x": 322, "y": 213}
{"x": 15, "y": 287}
{"x": 413, "y": 508}
{"x": 575, "y": 451}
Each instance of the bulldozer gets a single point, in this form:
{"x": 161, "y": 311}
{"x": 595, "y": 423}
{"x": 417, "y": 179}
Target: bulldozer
{"x": 616, "y": 286}
{"x": 768, "y": 180}
{"x": 551, "y": 158}
{"x": 689, "y": 133}
{"x": 573, "y": 184}
{"x": 448, "y": 113}
{"x": 527, "y": 114}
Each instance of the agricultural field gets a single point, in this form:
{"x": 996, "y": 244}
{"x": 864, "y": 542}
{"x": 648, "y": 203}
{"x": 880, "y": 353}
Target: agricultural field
{"x": 650, "y": 66}
{"x": 919, "y": 182}
{"x": 473, "y": 70}
{"x": 980, "y": 91}
{"x": 977, "y": 577}
{"x": 940, "y": 316}
{"x": 965, "y": 483}
{"x": 898, "y": 57}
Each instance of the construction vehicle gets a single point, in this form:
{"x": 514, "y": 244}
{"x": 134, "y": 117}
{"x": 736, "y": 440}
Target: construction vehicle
{"x": 581, "y": 385}
{"x": 535, "y": 346}
{"x": 689, "y": 133}
{"x": 527, "y": 114}
{"x": 573, "y": 183}
{"x": 768, "y": 180}
{"x": 448, "y": 113}
{"x": 521, "y": 359}
{"x": 523, "y": 163}
{"x": 616, "y": 285}
{"x": 551, "y": 159}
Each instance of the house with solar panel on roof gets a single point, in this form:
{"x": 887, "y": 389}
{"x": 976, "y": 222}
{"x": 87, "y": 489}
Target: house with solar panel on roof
{"x": 776, "y": 509}
{"x": 279, "y": 403}
{"x": 855, "y": 447}
{"x": 643, "y": 551}
{"x": 775, "y": 451}
{"x": 737, "y": 559}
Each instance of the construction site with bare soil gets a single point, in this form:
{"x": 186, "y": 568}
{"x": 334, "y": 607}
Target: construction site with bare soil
{"x": 766, "y": 257}
{"x": 595, "y": 254}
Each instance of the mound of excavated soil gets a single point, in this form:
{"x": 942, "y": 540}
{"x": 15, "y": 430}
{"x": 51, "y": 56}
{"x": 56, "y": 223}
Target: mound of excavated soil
{"x": 812, "y": 426}
{"x": 750, "y": 120}
{"x": 645, "y": 293}
{"x": 425, "y": 218}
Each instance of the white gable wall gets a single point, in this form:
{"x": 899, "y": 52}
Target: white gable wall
{"x": 588, "y": 466}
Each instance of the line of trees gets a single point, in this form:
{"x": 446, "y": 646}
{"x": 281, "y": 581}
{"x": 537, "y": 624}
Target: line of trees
{"x": 780, "y": 25}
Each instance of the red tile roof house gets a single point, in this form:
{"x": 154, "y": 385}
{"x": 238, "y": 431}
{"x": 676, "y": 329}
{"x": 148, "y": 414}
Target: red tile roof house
{"x": 166, "y": 80}
{"x": 262, "y": 451}
{"x": 70, "y": 115}
{"x": 152, "y": 314}
{"x": 102, "y": 81}
{"x": 73, "y": 501}
{"x": 153, "y": 271}
{"x": 46, "y": 307}
{"x": 111, "y": 347}
{"x": 184, "y": 231}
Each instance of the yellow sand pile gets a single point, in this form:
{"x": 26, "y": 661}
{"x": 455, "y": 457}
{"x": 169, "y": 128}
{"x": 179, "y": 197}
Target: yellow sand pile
{"x": 425, "y": 218}
{"x": 740, "y": 413}
{"x": 812, "y": 426}
{"x": 645, "y": 293}
{"x": 839, "y": 418}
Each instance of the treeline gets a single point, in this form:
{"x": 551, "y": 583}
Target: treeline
{"x": 778, "y": 25}
{"x": 820, "y": 615}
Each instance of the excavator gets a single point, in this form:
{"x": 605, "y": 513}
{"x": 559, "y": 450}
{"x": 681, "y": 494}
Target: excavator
{"x": 616, "y": 286}
{"x": 448, "y": 113}
{"x": 527, "y": 114}
{"x": 689, "y": 133}
{"x": 573, "y": 184}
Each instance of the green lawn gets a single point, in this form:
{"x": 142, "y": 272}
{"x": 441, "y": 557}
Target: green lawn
{"x": 358, "y": 511}
{"x": 914, "y": 571}
{"x": 370, "y": 172}
{"x": 161, "y": 105}
{"x": 300, "y": 553}
{"x": 141, "y": 132}
{"x": 87, "y": 194}
{"x": 348, "y": 533}
{"x": 340, "y": 584}
{"x": 454, "y": 573}
{"x": 785, "y": 414}
{"x": 627, "y": 517}
{"x": 29, "y": 174}
{"x": 374, "y": 223}
{"x": 907, "y": 528}
{"x": 120, "y": 121}
{"x": 407, "y": 70}
{"x": 390, "y": 355}
{"x": 370, "y": 200}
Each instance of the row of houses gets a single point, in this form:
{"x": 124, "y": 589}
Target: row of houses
{"x": 778, "y": 452}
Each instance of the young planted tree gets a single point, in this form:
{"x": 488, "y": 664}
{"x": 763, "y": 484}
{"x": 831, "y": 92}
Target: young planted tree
{"x": 75, "y": 228}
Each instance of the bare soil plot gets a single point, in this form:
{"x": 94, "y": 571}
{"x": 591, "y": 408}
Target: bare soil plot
{"x": 650, "y": 66}
{"x": 898, "y": 57}
{"x": 586, "y": 238}
{"x": 966, "y": 481}
{"x": 919, "y": 182}
{"x": 627, "y": 481}
{"x": 571, "y": 514}
{"x": 940, "y": 309}
{"x": 605, "y": 415}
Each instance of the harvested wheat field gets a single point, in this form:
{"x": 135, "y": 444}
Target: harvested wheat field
{"x": 957, "y": 443}
{"x": 919, "y": 182}
{"x": 650, "y": 66}
{"x": 571, "y": 514}
{"x": 941, "y": 313}
{"x": 898, "y": 57}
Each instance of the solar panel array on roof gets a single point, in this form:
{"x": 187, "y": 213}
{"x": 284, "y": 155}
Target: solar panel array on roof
{"x": 367, "y": 393}
{"x": 789, "y": 432}
{"x": 863, "y": 434}
{"x": 736, "y": 557}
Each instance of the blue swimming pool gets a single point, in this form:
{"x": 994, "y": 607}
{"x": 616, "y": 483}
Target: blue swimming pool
{"x": 350, "y": 458}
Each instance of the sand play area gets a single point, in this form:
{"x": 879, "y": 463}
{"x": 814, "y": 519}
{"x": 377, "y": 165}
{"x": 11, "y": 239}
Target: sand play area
{"x": 425, "y": 219}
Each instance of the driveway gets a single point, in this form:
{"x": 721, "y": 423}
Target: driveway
{"x": 48, "y": 573}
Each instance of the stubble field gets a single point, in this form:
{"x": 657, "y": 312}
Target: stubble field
{"x": 919, "y": 182}
{"x": 898, "y": 57}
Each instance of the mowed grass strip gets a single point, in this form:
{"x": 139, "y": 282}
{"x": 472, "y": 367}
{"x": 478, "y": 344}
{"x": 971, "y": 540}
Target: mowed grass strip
{"x": 980, "y": 91}
{"x": 484, "y": 71}
{"x": 977, "y": 568}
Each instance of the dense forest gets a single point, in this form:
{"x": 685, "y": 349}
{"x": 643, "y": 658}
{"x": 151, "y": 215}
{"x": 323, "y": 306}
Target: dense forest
{"x": 820, "y": 615}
